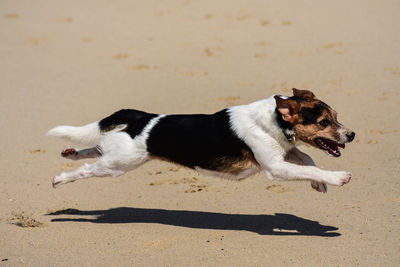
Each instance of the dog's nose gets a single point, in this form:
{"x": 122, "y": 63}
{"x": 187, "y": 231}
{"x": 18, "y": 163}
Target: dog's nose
{"x": 350, "y": 136}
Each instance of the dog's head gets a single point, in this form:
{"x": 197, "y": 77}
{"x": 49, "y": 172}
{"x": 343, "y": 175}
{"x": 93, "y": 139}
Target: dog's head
{"x": 313, "y": 121}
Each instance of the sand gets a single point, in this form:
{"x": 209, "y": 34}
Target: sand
{"x": 74, "y": 62}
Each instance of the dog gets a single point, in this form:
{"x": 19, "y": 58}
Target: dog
{"x": 234, "y": 143}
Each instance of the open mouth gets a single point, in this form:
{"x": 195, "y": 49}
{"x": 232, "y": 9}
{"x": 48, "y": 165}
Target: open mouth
{"x": 330, "y": 146}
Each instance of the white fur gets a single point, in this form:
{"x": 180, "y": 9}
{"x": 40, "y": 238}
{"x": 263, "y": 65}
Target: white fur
{"x": 86, "y": 135}
{"x": 342, "y": 133}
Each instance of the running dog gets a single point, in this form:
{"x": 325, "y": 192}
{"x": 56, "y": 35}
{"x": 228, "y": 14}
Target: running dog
{"x": 234, "y": 143}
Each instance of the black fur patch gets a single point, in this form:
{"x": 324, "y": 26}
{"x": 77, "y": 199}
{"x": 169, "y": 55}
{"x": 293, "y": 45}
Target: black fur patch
{"x": 205, "y": 141}
{"x": 136, "y": 120}
{"x": 310, "y": 115}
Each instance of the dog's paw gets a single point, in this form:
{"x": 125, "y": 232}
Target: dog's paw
{"x": 59, "y": 180}
{"x": 320, "y": 187}
{"x": 55, "y": 182}
{"x": 345, "y": 178}
{"x": 340, "y": 178}
{"x": 69, "y": 153}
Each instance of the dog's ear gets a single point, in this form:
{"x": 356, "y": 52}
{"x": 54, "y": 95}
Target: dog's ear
{"x": 303, "y": 94}
{"x": 288, "y": 108}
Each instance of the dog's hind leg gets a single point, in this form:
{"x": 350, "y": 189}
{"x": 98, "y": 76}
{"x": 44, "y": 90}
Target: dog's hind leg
{"x": 119, "y": 154}
{"x": 99, "y": 169}
{"x": 105, "y": 166}
{"x": 72, "y": 153}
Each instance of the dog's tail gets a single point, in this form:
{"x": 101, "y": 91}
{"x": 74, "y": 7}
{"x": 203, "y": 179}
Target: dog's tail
{"x": 89, "y": 134}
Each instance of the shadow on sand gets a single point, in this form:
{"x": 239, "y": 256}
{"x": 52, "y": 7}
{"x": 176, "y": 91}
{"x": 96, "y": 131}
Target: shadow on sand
{"x": 278, "y": 224}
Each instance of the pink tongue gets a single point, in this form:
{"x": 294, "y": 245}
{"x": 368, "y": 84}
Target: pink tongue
{"x": 331, "y": 143}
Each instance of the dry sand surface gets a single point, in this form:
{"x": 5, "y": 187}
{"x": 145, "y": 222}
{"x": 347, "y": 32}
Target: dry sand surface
{"x": 74, "y": 62}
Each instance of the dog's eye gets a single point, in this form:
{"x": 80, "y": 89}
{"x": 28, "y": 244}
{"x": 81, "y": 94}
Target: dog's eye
{"x": 324, "y": 123}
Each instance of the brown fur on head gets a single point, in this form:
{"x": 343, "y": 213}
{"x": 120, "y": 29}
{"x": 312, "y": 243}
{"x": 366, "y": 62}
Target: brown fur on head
{"x": 313, "y": 121}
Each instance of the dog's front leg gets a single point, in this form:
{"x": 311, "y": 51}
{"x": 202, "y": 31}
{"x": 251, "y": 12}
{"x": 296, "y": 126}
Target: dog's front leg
{"x": 298, "y": 157}
{"x": 273, "y": 163}
{"x": 281, "y": 169}
{"x": 271, "y": 158}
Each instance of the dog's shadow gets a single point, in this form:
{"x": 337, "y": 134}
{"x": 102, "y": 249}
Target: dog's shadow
{"x": 278, "y": 224}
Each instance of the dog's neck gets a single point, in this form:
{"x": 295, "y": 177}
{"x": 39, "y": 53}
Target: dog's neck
{"x": 287, "y": 128}
{"x": 261, "y": 115}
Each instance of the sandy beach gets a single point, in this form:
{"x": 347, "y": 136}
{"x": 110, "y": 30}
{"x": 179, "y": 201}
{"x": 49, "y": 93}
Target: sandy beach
{"x": 75, "y": 62}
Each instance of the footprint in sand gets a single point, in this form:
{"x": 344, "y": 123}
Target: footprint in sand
{"x": 194, "y": 73}
{"x": 11, "y": 16}
{"x": 192, "y": 184}
{"x": 208, "y": 52}
{"x": 211, "y": 52}
{"x": 23, "y": 220}
{"x": 384, "y": 132}
{"x": 142, "y": 67}
{"x": 190, "y": 73}
{"x": 154, "y": 173}
{"x": 67, "y": 166}
{"x": 193, "y": 188}
{"x": 383, "y": 97}
{"x": 337, "y": 47}
{"x": 174, "y": 181}
{"x": 38, "y": 150}
{"x": 276, "y": 188}
{"x": 265, "y": 22}
{"x": 394, "y": 71}
{"x": 208, "y": 16}
{"x": 120, "y": 56}
{"x": 332, "y": 45}
{"x": 162, "y": 182}
{"x": 86, "y": 39}
{"x": 263, "y": 43}
{"x": 36, "y": 40}
{"x": 286, "y": 23}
